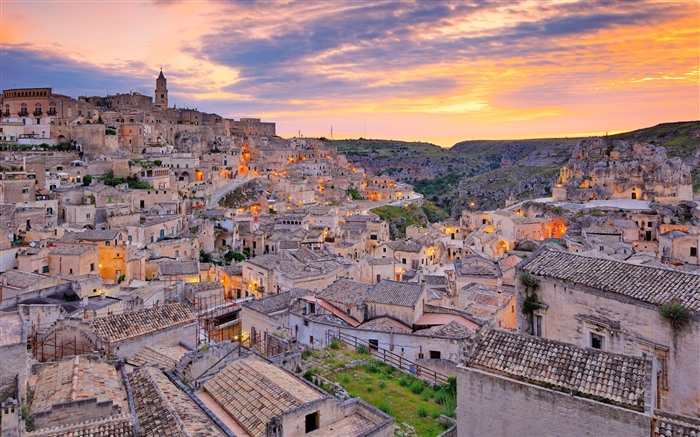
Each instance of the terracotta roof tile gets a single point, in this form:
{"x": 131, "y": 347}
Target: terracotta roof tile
{"x": 122, "y": 327}
{"x": 619, "y": 378}
{"x": 648, "y": 284}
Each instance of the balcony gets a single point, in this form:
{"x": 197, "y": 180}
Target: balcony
{"x": 6, "y": 113}
{"x": 23, "y": 114}
{"x": 37, "y": 112}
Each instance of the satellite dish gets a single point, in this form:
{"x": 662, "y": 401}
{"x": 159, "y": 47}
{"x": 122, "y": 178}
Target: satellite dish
{"x": 10, "y": 235}
{"x": 32, "y": 244}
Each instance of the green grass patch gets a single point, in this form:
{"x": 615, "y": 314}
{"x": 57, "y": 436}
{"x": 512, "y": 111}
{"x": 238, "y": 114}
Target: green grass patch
{"x": 401, "y": 217}
{"x": 394, "y": 399}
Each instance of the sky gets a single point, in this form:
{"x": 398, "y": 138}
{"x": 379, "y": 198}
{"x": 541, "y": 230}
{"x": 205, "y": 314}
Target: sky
{"x": 431, "y": 71}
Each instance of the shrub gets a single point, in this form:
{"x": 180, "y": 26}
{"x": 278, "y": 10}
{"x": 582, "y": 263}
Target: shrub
{"x": 441, "y": 397}
{"x": 449, "y": 407}
{"x": 343, "y": 379}
{"x": 422, "y": 411}
{"x": 530, "y": 304}
{"x": 406, "y": 381}
{"x": 370, "y": 389}
{"x": 675, "y": 313}
{"x": 417, "y": 386}
{"x": 87, "y": 179}
{"x": 362, "y": 350}
{"x": 527, "y": 280}
{"x": 308, "y": 375}
{"x": 306, "y": 353}
{"x": 121, "y": 279}
{"x": 382, "y": 384}
{"x": 373, "y": 367}
{"x": 451, "y": 385}
{"x": 335, "y": 344}
{"x": 385, "y": 407}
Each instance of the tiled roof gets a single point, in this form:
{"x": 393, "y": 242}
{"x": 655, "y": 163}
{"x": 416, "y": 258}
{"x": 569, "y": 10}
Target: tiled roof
{"x": 121, "y": 327}
{"x": 675, "y": 426}
{"x": 395, "y": 293}
{"x": 165, "y": 410}
{"x": 453, "y": 329}
{"x": 477, "y": 266}
{"x": 648, "y": 284}
{"x": 436, "y": 279}
{"x": 619, "y": 378}
{"x": 18, "y": 279}
{"x": 89, "y": 235}
{"x": 77, "y": 379}
{"x": 405, "y": 246}
{"x": 111, "y": 426}
{"x": 253, "y": 392}
{"x": 64, "y": 250}
{"x": 345, "y": 291}
{"x": 603, "y": 230}
{"x": 385, "y": 324}
{"x": 173, "y": 268}
{"x": 163, "y": 356}
{"x": 277, "y": 302}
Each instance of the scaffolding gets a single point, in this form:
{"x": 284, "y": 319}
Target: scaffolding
{"x": 49, "y": 346}
{"x": 217, "y": 318}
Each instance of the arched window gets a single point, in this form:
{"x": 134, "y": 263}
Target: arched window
{"x": 162, "y": 233}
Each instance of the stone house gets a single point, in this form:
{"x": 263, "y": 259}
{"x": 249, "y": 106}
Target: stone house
{"x": 679, "y": 247}
{"x": 77, "y": 390}
{"x": 539, "y": 386}
{"x": 293, "y": 407}
{"x": 615, "y": 306}
{"x": 113, "y": 258}
{"x": 400, "y": 300}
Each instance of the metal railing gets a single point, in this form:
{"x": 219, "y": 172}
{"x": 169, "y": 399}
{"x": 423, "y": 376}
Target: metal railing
{"x": 389, "y": 357}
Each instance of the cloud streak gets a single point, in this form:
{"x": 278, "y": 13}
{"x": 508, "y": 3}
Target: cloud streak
{"x": 495, "y": 63}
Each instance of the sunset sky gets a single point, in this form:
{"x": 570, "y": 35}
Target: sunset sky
{"x": 432, "y": 71}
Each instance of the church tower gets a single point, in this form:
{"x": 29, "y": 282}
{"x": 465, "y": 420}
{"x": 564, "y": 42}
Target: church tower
{"x": 161, "y": 100}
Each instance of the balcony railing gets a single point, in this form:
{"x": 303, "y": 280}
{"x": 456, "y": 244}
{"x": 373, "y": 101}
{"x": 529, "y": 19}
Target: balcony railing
{"x": 37, "y": 112}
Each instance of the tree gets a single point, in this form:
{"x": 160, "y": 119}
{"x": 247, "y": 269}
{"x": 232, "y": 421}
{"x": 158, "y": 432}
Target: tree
{"x": 87, "y": 180}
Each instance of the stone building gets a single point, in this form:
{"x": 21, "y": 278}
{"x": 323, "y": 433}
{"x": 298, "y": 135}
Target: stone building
{"x": 617, "y": 307}
{"x": 285, "y": 405}
{"x": 515, "y": 383}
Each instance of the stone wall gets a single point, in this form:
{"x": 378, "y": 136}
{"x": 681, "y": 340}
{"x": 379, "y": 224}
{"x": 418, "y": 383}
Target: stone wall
{"x": 167, "y": 337}
{"x": 629, "y": 327}
{"x": 71, "y": 412}
{"x": 493, "y": 405}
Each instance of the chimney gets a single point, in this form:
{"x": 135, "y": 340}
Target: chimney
{"x": 10, "y": 415}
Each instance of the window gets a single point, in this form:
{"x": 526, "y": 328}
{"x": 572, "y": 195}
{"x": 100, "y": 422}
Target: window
{"x": 537, "y": 325}
{"x": 311, "y": 422}
{"x": 384, "y": 249}
{"x": 434, "y": 355}
{"x": 373, "y": 345}
{"x": 92, "y": 267}
{"x": 649, "y": 224}
{"x": 107, "y": 243}
{"x": 87, "y": 215}
{"x": 693, "y": 251}
{"x": 597, "y": 341}
{"x": 70, "y": 271}
{"x": 403, "y": 260}
{"x": 177, "y": 253}
{"x": 45, "y": 269}
{"x": 25, "y": 190}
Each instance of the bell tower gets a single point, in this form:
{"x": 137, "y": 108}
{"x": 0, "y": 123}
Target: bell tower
{"x": 161, "y": 96}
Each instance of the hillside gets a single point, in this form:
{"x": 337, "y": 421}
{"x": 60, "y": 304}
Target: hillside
{"x": 487, "y": 172}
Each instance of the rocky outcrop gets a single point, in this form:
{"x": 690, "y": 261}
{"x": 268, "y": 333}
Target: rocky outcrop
{"x": 603, "y": 169}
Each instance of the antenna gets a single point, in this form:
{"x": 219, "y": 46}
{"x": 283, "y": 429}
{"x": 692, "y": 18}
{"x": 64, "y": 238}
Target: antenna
{"x": 331, "y": 132}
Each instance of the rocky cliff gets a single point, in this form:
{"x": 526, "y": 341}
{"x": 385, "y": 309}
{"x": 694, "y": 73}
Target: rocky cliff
{"x": 603, "y": 169}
